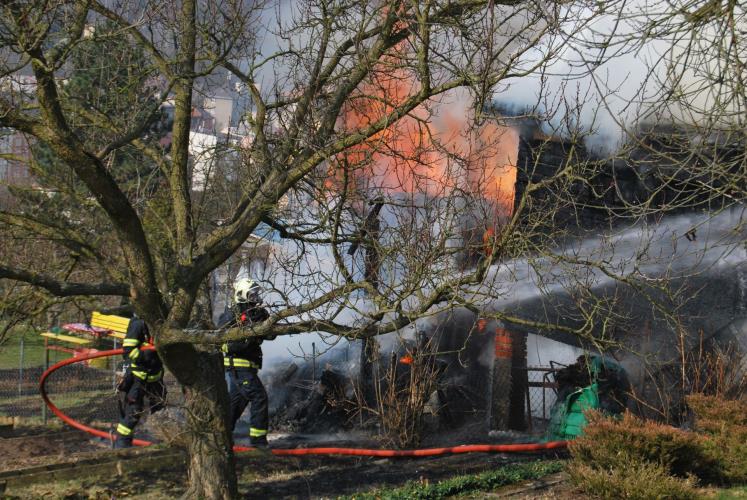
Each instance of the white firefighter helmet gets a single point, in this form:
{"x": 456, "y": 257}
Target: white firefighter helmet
{"x": 246, "y": 290}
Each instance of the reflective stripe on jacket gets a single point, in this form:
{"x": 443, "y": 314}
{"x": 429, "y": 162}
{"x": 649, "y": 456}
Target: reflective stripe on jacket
{"x": 145, "y": 377}
{"x": 229, "y": 361}
{"x": 145, "y": 365}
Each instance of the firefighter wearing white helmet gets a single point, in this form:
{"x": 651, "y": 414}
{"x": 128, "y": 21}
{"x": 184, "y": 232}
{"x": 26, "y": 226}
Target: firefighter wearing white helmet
{"x": 242, "y": 360}
{"x": 246, "y": 290}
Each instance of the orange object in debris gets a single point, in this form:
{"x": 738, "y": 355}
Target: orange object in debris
{"x": 406, "y": 359}
{"x": 481, "y": 324}
{"x": 502, "y": 343}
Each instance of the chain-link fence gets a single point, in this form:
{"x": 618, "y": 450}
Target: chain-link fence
{"x": 22, "y": 361}
{"x": 541, "y": 395}
{"x": 84, "y": 391}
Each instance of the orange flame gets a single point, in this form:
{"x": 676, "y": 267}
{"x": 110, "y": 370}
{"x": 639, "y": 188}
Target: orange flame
{"x": 430, "y": 150}
{"x": 407, "y": 359}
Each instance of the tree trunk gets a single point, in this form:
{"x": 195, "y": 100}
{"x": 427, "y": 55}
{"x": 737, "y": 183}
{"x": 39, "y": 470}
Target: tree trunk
{"x": 212, "y": 469}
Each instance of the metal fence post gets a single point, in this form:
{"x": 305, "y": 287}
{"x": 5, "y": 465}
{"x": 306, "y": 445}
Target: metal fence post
{"x": 313, "y": 361}
{"x": 114, "y": 369}
{"x": 46, "y": 367}
{"x": 20, "y": 371}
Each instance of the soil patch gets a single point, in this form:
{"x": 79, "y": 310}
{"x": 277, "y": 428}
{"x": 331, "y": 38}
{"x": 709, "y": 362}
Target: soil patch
{"x": 21, "y": 449}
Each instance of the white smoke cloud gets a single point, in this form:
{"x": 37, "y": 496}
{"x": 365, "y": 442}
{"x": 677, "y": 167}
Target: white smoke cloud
{"x": 586, "y": 87}
{"x": 619, "y": 71}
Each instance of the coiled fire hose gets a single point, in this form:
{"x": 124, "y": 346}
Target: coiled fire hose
{"x": 425, "y": 452}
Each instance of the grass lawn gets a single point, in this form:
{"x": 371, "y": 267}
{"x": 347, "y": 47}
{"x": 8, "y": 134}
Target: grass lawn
{"x": 33, "y": 349}
{"x": 466, "y": 484}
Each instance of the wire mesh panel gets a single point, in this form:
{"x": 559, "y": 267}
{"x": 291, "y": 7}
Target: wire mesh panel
{"x": 541, "y": 393}
{"x": 22, "y": 359}
{"x": 87, "y": 392}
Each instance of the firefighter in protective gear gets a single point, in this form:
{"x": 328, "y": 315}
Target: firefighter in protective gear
{"x": 143, "y": 377}
{"x": 242, "y": 360}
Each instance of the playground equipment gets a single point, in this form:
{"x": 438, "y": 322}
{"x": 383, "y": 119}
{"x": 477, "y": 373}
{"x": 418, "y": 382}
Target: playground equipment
{"x": 80, "y": 339}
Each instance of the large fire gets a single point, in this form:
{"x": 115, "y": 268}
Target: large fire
{"x": 433, "y": 150}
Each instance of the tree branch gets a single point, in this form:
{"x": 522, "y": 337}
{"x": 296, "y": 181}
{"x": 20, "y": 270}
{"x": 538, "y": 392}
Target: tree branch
{"x": 102, "y": 186}
{"x": 58, "y": 52}
{"x": 179, "y": 175}
{"x": 62, "y": 288}
{"x": 64, "y": 236}
{"x": 161, "y": 61}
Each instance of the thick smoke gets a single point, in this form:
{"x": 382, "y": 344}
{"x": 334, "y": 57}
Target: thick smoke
{"x": 623, "y": 70}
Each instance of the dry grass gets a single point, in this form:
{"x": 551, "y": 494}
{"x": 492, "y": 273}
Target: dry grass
{"x": 716, "y": 372}
{"x": 632, "y": 479}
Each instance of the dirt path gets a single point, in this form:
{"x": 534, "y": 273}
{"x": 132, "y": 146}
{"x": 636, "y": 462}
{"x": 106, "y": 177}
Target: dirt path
{"x": 21, "y": 451}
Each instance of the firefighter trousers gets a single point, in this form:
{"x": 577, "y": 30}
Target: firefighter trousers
{"x": 246, "y": 389}
{"x": 132, "y": 407}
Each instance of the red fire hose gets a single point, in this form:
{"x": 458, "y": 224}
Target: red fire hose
{"x": 427, "y": 452}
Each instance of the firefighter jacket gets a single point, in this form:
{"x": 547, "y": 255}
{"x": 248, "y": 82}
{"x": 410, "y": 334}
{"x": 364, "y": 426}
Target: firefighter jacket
{"x": 145, "y": 365}
{"x": 245, "y": 353}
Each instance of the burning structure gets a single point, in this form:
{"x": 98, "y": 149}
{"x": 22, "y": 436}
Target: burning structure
{"x": 644, "y": 243}
{"x": 481, "y": 365}
{"x": 618, "y": 272}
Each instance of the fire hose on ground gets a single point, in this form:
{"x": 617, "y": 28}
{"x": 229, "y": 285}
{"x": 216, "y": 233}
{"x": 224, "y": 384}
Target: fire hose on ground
{"x": 426, "y": 452}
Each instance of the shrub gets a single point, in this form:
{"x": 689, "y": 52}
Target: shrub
{"x": 725, "y": 422}
{"x": 711, "y": 410}
{"x": 733, "y": 457}
{"x": 608, "y": 444}
{"x": 632, "y": 479}
{"x": 402, "y": 393}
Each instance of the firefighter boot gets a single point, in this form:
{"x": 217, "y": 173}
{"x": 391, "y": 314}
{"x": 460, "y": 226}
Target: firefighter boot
{"x": 258, "y": 441}
{"x": 124, "y": 435}
{"x": 122, "y": 442}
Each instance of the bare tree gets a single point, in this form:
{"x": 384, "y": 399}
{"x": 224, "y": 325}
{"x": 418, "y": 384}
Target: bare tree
{"x": 670, "y": 80}
{"x": 345, "y": 141}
